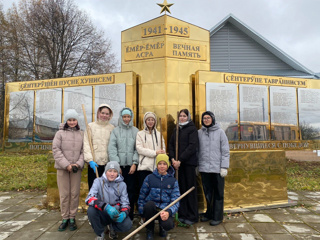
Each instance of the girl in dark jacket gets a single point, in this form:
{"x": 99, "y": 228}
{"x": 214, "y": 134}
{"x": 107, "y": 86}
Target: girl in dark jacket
{"x": 186, "y": 164}
{"x": 159, "y": 189}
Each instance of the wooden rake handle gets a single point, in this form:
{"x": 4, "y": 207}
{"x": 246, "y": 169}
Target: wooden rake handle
{"x": 155, "y": 216}
{"x": 89, "y": 137}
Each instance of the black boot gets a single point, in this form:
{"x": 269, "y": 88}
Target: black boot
{"x": 150, "y": 234}
{"x": 72, "y": 224}
{"x": 162, "y": 232}
{"x": 63, "y": 225}
{"x": 215, "y": 223}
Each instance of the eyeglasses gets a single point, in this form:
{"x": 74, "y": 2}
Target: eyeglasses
{"x": 208, "y": 118}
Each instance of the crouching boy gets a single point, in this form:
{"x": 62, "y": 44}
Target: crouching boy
{"x": 158, "y": 190}
{"x": 108, "y": 202}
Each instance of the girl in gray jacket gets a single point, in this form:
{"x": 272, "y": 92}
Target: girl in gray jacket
{"x": 68, "y": 156}
{"x": 122, "y": 149}
{"x": 213, "y": 164}
{"x": 108, "y": 202}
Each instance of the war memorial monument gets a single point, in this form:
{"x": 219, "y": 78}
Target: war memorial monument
{"x": 165, "y": 67}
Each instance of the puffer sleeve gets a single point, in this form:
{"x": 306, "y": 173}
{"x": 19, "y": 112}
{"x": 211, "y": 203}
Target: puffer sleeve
{"x": 57, "y": 151}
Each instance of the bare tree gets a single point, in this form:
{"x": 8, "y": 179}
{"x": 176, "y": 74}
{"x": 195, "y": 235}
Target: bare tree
{"x": 55, "y": 39}
{"x": 3, "y": 66}
{"x": 308, "y": 131}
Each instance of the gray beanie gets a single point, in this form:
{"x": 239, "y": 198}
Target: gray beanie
{"x": 113, "y": 165}
{"x": 71, "y": 113}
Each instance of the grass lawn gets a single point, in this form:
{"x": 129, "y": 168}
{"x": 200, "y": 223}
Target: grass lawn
{"x": 303, "y": 176}
{"x": 23, "y": 172}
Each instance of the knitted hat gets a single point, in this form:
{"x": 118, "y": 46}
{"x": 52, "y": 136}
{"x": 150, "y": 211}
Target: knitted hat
{"x": 112, "y": 165}
{"x": 71, "y": 113}
{"x": 150, "y": 114}
{"x": 162, "y": 157}
{"x": 126, "y": 112}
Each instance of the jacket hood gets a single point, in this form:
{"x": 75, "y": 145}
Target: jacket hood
{"x": 120, "y": 121}
{"x": 170, "y": 173}
{"x": 147, "y": 115}
{"x": 117, "y": 180}
{"x": 212, "y": 128}
{"x": 209, "y": 113}
{"x": 105, "y": 105}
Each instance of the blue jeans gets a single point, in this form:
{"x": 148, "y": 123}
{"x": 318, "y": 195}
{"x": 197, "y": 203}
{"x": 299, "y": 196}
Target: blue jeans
{"x": 100, "y": 219}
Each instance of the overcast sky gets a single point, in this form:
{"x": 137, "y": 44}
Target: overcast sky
{"x": 291, "y": 25}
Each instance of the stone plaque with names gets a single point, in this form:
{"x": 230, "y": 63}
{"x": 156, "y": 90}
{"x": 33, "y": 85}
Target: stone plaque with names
{"x": 221, "y": 99}
{"x": 113, "y": 95}
{"x": 21, "y": 116}
{"x": 48, "y": 114}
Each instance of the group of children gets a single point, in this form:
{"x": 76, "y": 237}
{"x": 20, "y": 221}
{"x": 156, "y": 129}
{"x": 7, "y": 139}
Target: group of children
{"x": 118, "y": 154}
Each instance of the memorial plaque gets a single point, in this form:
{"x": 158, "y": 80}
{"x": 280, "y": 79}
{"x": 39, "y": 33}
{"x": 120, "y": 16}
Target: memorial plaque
{"x": 253, "y": 103}
{"x": 221, "y": 99}
{"x": 114, "y": 95}
{"x": 253, "y": 112}
{"x": 283, "y": 113}
{"x": 74, "y": 97}
{"x": 21, "y": 116}
{"x": 309, "y": 113}
{"x": 48, "y": 114}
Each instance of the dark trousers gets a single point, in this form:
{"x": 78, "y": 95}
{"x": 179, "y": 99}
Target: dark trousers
{"x": 130, "y": 180}
{"x": 149, "y": 210}
{"x": 142, "y": 175}
{"x": 100, "y": 219}
{"x": 92, "y": 175}
{"x": 213, "y": 187}
{"x": 189, "y": 204}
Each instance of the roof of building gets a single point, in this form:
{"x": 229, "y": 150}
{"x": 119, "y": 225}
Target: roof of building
{"x": 298, "y": 69}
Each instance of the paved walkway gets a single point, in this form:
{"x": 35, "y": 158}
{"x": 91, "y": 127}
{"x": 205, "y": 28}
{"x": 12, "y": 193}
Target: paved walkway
{"x": 21, "y": 219}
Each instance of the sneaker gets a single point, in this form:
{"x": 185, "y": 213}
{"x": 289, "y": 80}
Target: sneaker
{"x": 215, "y": 223}
{"x": 150, "y": 234}
{"x": 72, "y": 224}
{"x": 181, "y": 220}
{"x": 63, "y": 225}
{"x": 100, "y": 238}
{"x": 162, "y": 232}
{"x": 112, "y": 232}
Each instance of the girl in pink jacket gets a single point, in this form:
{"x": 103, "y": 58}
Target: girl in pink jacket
{"x": 68, "y": 155}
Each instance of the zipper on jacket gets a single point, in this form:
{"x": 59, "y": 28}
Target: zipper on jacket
{"x": 161, "y": 190}
{"x": 154, "y": 159}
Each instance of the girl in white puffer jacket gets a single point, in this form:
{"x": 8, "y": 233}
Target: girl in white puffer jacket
{"x": 148, "y": 146}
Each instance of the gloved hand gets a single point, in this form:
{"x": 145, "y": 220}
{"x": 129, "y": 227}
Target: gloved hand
{"x": 121, "y": 217}
{"x": 99, "y": 204}
{"x": 223, "y": 172}
{"x": 93, "y": 165}
{"x": 112, "y": 211}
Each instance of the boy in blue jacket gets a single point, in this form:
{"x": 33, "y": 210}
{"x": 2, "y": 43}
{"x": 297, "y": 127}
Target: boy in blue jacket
{"x": 158, "y": 190}
{"x": 108, "y": 202}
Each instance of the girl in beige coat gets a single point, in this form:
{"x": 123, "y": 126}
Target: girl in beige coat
{"x": 100, "y": 135}
{"x": 148, "y": 146}
{"x": 68, "y": 155}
